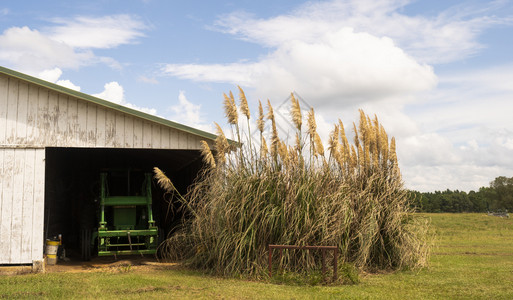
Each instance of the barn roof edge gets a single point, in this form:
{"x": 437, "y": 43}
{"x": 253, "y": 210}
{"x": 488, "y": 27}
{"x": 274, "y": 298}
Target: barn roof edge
{"x": 108, "y": 104}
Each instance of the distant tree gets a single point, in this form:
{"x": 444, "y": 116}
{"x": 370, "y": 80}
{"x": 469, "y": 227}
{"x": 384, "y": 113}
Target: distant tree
{"x": 477, "y": 201}
{"x": 498, "y": 196}
{"x": 503, "y": 188}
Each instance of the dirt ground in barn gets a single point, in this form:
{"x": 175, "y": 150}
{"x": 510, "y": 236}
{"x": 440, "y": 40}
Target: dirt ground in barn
{"x": 97, "y": 264}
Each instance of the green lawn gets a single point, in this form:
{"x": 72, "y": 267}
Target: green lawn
{"x": 473, "y": 258}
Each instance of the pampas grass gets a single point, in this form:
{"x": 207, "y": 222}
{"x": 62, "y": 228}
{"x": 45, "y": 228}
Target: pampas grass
{"x": 208, "y": 157}
{"x": 355, "y": 201}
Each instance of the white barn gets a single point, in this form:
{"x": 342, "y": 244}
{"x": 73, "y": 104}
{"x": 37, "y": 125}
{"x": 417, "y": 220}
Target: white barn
{"x": 54, "y": 141}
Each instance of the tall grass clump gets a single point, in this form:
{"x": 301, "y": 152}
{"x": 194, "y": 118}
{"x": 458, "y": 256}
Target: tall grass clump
{"x": 250, "y": 195}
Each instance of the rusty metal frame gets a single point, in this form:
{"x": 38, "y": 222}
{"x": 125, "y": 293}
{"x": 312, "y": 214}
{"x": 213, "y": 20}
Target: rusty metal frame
{"x": 323, "y": 252}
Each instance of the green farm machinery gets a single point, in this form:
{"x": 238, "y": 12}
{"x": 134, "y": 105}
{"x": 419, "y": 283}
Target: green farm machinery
{"x": 125, "y": 219}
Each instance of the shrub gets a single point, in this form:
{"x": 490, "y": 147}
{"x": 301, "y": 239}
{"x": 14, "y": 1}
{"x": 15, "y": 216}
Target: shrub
{"x": 252, "y": 195}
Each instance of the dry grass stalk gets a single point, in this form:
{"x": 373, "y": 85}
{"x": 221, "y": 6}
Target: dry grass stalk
{"x": 275, "y": 140}
{"x": 356, "y": 139}
{"x": 270, "y": 111}
{"x": 296, "y": 112}
{"x": 263, "y": 148}
{"x": 349, "y": 201}
{"x": 222, "y": 145}
{"x": 384, "y": 146}
{"x": 244, "y": 108}
{"x": 162, "y": 180}
{"x": 260, "y": 121}
{"x": 333, "y": 141}
{"x": 293, "y": 156}
{"x": 299, "y": 143}
{"x": 283, "y": 152}
{"x": 230, "y": 109}
{"x": 312, "y": 125}
{"x": 206, "y": 153}
{"x": 319, "y": 147}
{"x": 392, "y": 155}
{"x": 354, "y": 158}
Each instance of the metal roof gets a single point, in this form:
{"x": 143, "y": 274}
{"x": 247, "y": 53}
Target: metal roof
{"x": 105, "y": 103}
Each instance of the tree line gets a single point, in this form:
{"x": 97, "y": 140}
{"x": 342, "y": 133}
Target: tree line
{"x": 497, "y": 197}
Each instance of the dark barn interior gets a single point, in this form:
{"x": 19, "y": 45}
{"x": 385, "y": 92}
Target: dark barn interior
{"x": 72, "y": 186}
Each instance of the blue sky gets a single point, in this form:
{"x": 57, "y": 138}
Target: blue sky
{"x": 439, "y": 74}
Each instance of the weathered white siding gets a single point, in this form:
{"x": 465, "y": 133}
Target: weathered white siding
{"x": 22, "y": 173}
{"x": 34, "y": 116}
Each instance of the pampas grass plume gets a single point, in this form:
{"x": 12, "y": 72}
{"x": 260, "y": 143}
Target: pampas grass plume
{"x": 244, "y": 108}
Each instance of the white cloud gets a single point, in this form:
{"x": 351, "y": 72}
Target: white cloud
{"x": 188, "y": 113}
{"x": 32, "y": 52}
{"x": 115, "y": 93}
{"x": 97, "y": 32}
{"x": 68, "y": 84}
{"x": 150, "y": 80}
{"x": 342, "y": 66}
{"x": 342, "y": 55}
{"x": 69, "y": 44}
{"x": 450, "y": 35}
{"x": 464, "y": 131}
{"x": 234, "y": 73}
{"x": 53, "y": 76}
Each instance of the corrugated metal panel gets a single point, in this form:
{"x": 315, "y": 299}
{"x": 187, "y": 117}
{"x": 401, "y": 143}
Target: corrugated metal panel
{"x": 22, "y": 205}
{"x": 32, "y": 116}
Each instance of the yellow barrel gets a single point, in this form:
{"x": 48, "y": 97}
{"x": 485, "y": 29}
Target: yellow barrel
{"x": 51, "y": 252}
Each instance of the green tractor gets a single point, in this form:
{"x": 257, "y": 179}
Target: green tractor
{"x": 125, "y": 219}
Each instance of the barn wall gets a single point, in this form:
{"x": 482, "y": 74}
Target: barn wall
{"x": 22, "y": 175}
{"x": 34, "y": 116}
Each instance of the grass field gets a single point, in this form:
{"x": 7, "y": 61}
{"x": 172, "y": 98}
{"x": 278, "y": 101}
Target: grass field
{"x": 472, "y": 259}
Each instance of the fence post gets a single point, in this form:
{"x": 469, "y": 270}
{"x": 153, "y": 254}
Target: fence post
{"x": 270, "y": 260}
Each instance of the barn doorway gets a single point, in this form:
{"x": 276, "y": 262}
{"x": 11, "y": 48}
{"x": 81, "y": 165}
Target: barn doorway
{"x": 72, "y": 186}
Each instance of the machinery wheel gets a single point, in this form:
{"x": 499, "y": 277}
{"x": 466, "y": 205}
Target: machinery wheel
{"x": 85, "y": 241}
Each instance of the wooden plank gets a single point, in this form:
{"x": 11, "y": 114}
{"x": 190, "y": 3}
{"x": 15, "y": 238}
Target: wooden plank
{"x": 100, "y": 127}
{"x": 129, "y": 132}
{"x": 62, "y": 122}
{"x": 38, "y": 206}
{"x": 194, "y": 142}
{"x": 81, "y": 130}
{"x": 164, "y": 133}
{"x": 173, "y": 139}
{"x": 155, "y": 136}
{"x": 21, "y": 118}
{"x": 17, "y": 206}
{"x": 147, "y": 135}
{"x": 12, "y": 111}
{"x": 7, "y": 199}
{"x": 191, "y": 141}
{"x": 182, "y": 140}
{"x": 43, "y": 116}
{"x": 4, "y": 85}
{"x": 3, "y": 178}
{"x": 110, "y": 128}
{"x": 72, "y": 126}
{"x": 119, "y": 136}
{"x": 32, "y": 103}
{"x": 138, "y": 133}
{"x": 52, "y": 133}
{"x": 28, "y": 201}
{"x": 92, "y": 136}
